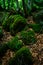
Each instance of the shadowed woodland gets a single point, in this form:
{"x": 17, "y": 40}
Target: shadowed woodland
{"x": 21, "y": 32}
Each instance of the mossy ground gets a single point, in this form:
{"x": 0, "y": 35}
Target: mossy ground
{"x": 36, "y": 48}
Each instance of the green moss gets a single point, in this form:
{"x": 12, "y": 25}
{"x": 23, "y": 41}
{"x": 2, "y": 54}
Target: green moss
{"x": 7, "y": 22}
{"x": 22, "y": 57}
{"x": 3, "y": 49}
{"x": 26, "y": 28}
{"x": 15, "y": 44}
{"x": 28, "y": 37}
{"x": 18, "y": 25}
{"x": 1, "y": 33}
{"x": 35, "y": 27}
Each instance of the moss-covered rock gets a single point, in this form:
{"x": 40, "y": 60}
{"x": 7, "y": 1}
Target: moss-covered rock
{"x": 26, "y": 28}
{"x": 3, "y": 49}
{"x": 18, "y": 25}
{"x": 22, "y": 57}
{"x": 1, "y": 32}
{"x": 7, "y": 22}
{"x": 28, "y": 37}
{"x": 35, "y": 27}
{"x": 15, "y": 44}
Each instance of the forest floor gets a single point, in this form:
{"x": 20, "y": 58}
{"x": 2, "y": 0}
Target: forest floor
{"x": 36, "y": 49}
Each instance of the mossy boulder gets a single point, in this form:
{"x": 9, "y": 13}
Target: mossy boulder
{"x": 15, "y": 44}
{"x": 1, "y": 32}
{"x": 28, "y": 37}
{"x": 3, "y": 49}
{"x": 35, "y": 27}
{"x": 7, "y": 22}
{"x": 22, "y": 57}
{"x": 18, "y": 25}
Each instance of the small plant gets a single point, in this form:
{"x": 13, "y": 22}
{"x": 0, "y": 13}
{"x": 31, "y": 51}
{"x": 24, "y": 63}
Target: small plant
{"x": 18, "y": 25}
{"x": 1, "y": 33}
{"x": 15, "y": 44}
{"x": 28, "y": 37}
{"x": 22, "y": 57}
{"x": 3, "y": 49}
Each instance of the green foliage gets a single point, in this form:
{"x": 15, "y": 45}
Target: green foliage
{"x": 9, "y": 4}
{"x": 18, "y": 25}
{"x": 3, "y": 16}
{"x": 35, "y": 27}
{"x": 1, "y": 33}
{"x": 38, "y": 17}
{"x": 15, "y": 44}
{"x": 23, "y": 6}
{"x": 28, "y": 37}
{"x": 37, "y": 5}
{"x": 3, "y": 49}
{"x": 22, "y": 57}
